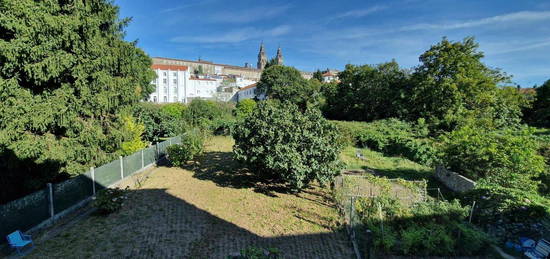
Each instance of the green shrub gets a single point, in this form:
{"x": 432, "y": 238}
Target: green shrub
{"x": 426, "y": 228}
{"x": 508, "y": 158}
{"x": 109, "y": 200}
{"x": 204, "y": 114}
{"x": 191, "y": 145}
{"x": 280, "y": 142}
{"x": 175, "y": 110}
{"x": 244, "y": 108}
{"x": 391, "y": 137}
{"x": 223, "y": 127}
{"x": 158, "y": 124}
{"x": 253, "y": 252}
{"x": 134, "y": 131}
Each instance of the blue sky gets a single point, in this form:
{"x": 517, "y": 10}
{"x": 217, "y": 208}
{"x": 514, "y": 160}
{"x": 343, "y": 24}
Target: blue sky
{"x": 513, "y": 34}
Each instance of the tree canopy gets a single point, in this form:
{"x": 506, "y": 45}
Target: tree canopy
{"x": 287, "y": 84}
{"x": 66, "y": 75}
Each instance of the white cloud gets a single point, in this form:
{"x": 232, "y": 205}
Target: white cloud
{"x": 523, "y": 16}
{"x": 517, "y": 46}
{"x": 237, "y": 35}
{"x": 359, "y": 12}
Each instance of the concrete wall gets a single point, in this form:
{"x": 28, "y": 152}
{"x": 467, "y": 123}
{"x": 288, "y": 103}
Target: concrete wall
{"x": 453, "y": 181}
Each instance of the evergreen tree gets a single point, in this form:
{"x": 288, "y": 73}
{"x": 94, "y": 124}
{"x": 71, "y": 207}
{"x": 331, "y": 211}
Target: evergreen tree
{"x": 66, "y": 76}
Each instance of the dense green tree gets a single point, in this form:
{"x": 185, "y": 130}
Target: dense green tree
{"x": 367, "y": 93}
{"x": 452, "y": 83}
{"x": 158, "y": 124}
{"x": 541, "y": 106}
{"x": 280, "y": 142}
{"x": 66, "y": 74}
{"x": 287, "y": 84}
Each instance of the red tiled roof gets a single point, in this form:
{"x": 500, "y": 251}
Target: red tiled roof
{"x": 202, "y": 79}
{"x": 210, "y": 63}
{"x": 169, "y": 67}
{"x": 328, "y": 74}
{"x": 527, "y": 90}
{"x": 248, "y": 87}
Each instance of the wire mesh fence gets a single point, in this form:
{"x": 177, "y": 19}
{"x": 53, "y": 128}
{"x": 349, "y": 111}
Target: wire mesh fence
{"x": 349, "y": 189}
{"x": 52, "y": 201}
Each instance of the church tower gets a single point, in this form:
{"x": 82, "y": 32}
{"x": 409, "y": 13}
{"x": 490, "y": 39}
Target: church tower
{"x": 262, "y": 59}
{"x": 279, "y": 56}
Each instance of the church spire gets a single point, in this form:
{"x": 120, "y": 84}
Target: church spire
{"x": 262, "y": 59}
{"x": 279, "y": 56}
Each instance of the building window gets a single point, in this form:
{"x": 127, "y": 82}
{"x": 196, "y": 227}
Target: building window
{"x": 165, "y": 99}
{"x": 175, "y": 74}
{"x": 165, "y": 90}
{"x": 164, "y": 74}
{"x": 175, "y": 81}
{"x": 164, "y": 81}
{"x": 154, "y": 99}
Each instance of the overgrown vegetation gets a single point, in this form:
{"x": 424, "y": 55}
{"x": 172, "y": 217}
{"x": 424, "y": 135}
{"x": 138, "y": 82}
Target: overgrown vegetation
{"x": 191, "y": 145}
{"x": 278, "y": 141}
{"x": 110, "y": 200}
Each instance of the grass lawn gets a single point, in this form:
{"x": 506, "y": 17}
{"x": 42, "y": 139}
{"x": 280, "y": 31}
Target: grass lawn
{"x": 209, "y": 209}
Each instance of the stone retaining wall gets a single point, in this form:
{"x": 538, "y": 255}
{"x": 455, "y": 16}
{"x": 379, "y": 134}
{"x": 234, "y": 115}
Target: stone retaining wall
{"x": 453, "y": 181}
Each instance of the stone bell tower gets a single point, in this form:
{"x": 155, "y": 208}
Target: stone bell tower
{"x": 279, "y": 56}
{"x": 262, "y": 59}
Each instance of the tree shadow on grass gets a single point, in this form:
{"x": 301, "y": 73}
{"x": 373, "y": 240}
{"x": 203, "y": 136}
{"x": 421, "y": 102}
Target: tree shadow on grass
{"x": 222, "y": 169}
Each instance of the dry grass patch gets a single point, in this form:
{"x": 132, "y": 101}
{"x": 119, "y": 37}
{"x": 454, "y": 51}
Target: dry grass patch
{"x": 210, "y": 209}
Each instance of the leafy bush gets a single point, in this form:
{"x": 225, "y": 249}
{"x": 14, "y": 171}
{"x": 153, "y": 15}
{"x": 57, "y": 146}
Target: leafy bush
{"x": 191, "y": 145}
{"x": 244, "y": 108}
{"x": 134, "y": 131}
{"x": 203, "y": 114}
{"x": 280, "y": 142}
{"x": 158, "y": 124}
{"x": 391, "y": 137}
{"x": 507, "y": 158}
{"x": 425, "y": 228}
{"x": 223, "y": 127}
{"x": 175, "y": 110}
{"x": 110, "y": 200}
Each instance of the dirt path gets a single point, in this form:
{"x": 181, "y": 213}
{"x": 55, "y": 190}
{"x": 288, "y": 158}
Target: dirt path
{"x": 209, "y": 210}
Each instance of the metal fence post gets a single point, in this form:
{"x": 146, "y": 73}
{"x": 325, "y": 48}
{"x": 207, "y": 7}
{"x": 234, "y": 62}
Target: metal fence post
{"x": 142, "y": 161}
{"x": 92, "y": 171}
{"x": 169, "y": 141}
{"x": 158, "y": 151}
{"x": 50, "y": 199}
{"x": 121, "y": 168}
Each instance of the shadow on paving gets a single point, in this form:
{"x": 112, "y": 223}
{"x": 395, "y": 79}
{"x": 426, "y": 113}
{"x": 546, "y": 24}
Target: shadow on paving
{"x": 220, "y": 168}
{"x": 155, "y": 224}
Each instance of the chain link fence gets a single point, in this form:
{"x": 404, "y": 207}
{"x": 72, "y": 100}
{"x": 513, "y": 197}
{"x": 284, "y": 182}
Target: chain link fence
{"x": 349, "y": 188}
{"x": 56, "y": 199}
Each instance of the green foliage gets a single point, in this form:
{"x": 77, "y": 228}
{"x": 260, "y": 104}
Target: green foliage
{"x": 244, "y": 108}
{"x": 495, "y": 203}
{"x": 158, "y": 124}
{"x": 452, "y": 83}
{"x": 367, "y": 93}
{"x": 287, "y": 84}
{"x": 133, "y": 142}
{"x": 110, "y": 200}
{"x": 508, "y": 158}
{"x": 201, "y": 113}
{"x": 392, "y": 137}
{"x": 541, "y": 106}
{"x": 175, "y": 110}
{"x": 425, "y": 228}
{"x": 66, "y": 75}
{"x": 191, "y": 145}
{"x": 280, "y": 142}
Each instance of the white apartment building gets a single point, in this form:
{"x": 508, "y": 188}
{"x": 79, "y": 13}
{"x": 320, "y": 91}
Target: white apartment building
{"x": 174, "y": 83}
{"x": 170, "y": 84}
{"x": 248, "y": 92}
